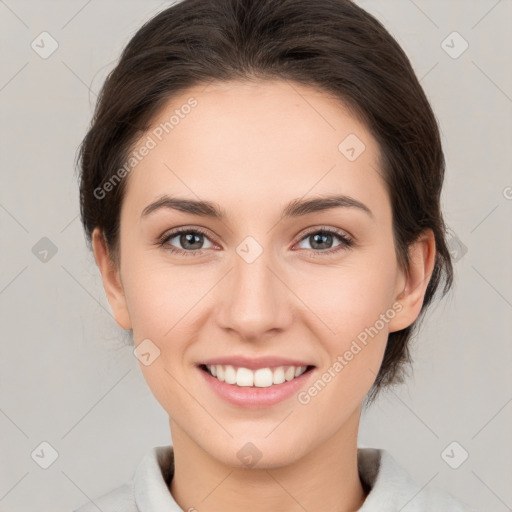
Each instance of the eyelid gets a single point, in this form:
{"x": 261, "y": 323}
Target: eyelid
{"x": 325, "y": 229}
{"x": 185, "y": 227}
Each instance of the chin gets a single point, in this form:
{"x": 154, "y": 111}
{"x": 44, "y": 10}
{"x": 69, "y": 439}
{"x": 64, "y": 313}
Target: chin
{"x": 259, "y": 451}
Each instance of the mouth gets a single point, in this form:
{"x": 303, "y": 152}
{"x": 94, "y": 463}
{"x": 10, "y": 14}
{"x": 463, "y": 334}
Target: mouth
{"x": 255, "y": 378}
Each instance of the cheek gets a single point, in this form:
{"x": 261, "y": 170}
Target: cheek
{"x": 160, "y": 297}
{"x": 352, "y": 305}
{"x": 348, "y": 299}
{"x": 353, "y": 311}
{"x": 338, "y": 302}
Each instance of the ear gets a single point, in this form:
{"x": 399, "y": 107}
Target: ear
{"x": 111, "y": 280}
{"x": 414, "y": 282}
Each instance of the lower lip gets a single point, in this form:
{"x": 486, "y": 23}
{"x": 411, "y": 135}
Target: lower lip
{"x": 245, "y": 396}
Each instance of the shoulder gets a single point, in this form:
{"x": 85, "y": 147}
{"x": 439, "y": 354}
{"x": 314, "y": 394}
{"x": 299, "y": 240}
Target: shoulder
{"x": 392, "y": 488}
{"x": 147, "y": 491}
{"x": 120, "y": 499}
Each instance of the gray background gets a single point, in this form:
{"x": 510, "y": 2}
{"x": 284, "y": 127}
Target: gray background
{"x": 67, "y": 379}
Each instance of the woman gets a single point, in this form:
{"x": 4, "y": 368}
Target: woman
{"x": 261, "y": 189}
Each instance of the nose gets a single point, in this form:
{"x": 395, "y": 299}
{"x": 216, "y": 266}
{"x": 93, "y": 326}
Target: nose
{"x": 255, "y": 300}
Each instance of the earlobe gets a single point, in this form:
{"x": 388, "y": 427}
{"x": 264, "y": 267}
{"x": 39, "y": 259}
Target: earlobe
{"x": 422, "y": 255}
{"x": 111, "y": 280}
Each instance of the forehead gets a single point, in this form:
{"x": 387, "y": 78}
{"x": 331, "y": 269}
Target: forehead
{"x": 255, "y": 144}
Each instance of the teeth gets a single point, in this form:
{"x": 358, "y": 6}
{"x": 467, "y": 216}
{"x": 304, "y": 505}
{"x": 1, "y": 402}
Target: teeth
{"x": 278, "y": 376}
{"x": 229, "y": 374}
{"x": 261, "y": 378}
{"x": 244, "y": 377}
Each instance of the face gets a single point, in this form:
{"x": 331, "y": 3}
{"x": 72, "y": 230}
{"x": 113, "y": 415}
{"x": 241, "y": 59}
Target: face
{"x": 318, "y": 286}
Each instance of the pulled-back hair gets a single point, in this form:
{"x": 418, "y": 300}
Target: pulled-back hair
{"x": 332, "y": 45}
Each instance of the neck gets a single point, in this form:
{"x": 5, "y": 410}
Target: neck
{"x": 326, "y": 478}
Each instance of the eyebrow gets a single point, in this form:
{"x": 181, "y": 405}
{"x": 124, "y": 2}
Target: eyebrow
{"x": 295, "y": 208}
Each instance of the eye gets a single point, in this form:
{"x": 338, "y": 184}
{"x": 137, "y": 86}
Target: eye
{"x": 321, "y": 240}
{"x": 191, "y": 241}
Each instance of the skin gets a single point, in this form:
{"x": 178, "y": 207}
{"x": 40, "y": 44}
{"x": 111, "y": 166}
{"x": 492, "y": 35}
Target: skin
{"x": 252, "y": 148}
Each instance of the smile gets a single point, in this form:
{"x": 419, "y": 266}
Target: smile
{"x": 255, "y": 388}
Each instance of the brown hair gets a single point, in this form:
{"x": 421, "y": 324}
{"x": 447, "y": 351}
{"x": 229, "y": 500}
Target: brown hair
{"x": 332, "y": 45}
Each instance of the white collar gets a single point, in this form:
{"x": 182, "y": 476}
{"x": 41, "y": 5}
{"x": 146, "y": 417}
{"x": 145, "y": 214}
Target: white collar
{"x": 391, "y": 487}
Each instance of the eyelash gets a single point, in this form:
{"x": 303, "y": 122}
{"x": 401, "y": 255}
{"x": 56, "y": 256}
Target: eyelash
{"x": 346, "y": 242}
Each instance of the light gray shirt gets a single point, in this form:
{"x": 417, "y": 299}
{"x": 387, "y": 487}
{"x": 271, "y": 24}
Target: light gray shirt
{"x": 391, "y": 487}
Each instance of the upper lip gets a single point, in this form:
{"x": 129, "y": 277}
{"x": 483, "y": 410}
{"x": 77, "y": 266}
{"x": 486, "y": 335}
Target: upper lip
{"x": 254, "y": 363}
